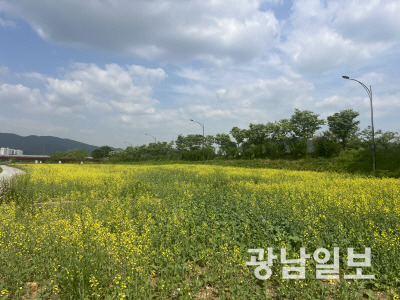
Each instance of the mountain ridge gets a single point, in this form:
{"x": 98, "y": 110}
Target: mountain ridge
{"x": 41, "y": 145}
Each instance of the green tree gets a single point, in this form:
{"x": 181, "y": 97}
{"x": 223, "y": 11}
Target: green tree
{"x": 343, "y": 125}
{"x": 226, "y": 146}
{"x": 257, "y": 138}
{"x": 239, "y": 135}
{"x": 277, "y": 133}
{"x": 298, "y": 147}
{"x": 383, "y": 139}
{"x": 282, "y": 129}
{"x": 299, "y": 128}
{"x": 57, "y": 156}
{"x": 326, "y": 145}
{"x": 191, "y": 146}
{"x": 77, "y": 154}
{"x": 101, "y": 152}
{"x": 257, "y": 134}
{"x": 180, "y": 143}
{"x": 305, "y": 123}
{"x": 193, "y": 141}
{"x": 157, "y": 151}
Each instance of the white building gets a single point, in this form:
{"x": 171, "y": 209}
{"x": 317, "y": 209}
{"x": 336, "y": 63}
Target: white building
{"x": 4, "y": 151}
{"x": 8, "y": 151}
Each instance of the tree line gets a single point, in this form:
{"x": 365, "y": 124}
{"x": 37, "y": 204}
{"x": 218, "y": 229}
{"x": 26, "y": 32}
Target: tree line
{"x": 294, "y": 138}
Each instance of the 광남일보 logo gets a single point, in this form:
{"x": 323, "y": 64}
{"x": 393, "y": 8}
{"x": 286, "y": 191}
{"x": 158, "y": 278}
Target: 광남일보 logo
{"x": 324, "y": 271}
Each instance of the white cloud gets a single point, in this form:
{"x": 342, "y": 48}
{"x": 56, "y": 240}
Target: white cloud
{"x": 336, "y": 103}
{"x": 20, "y": 97}
{"x": 387, "y": 105}
{"x": 266, "y": 93}
{"x": 326, "y": 49}
{"x": 224, "y": 63}
{"x": 369, "y": 21}
{"x": 159, "y": 29}
{"x": 370, "y": 77}
{"x": 87, "y": 89}
{"x": 87, "y": 98}
{"x": 325, "y": 35}
{"x": 145, "y": 76}
{"x": 238, "y": 104}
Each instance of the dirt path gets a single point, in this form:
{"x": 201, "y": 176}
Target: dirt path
{"x": 9, "y": 172}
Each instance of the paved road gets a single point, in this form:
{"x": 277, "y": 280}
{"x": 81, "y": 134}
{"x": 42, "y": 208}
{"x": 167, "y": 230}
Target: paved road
{"x": 9, "y": 172}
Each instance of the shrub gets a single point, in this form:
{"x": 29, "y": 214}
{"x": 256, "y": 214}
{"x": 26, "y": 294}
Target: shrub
{"x": 298, "y": 148}
{"x": 326, "y": 146}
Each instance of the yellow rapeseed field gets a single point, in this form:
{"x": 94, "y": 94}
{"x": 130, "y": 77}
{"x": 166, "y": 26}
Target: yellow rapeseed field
{"x": 183, "y": 231}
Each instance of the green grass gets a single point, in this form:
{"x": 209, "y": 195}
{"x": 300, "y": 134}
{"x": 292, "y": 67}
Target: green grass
{"x": 350, "y": 161}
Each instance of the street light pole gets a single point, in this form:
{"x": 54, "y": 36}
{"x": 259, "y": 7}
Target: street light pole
{"x": 202, "y": 126}
{"x": 155, "y": 140}
{"x": 369, "y": 91}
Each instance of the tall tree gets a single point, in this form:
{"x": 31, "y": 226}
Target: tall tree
{"x": 282, "y": 129}
{"x": 277, "y": 137}
{"x": 101, "y": 152}
{"x": 305, "y": 123}
{"x": 343, "y": 125}
{"x": 240, "y": 135}
{"x": 180, "y": 142}
{"x": 225, "y": 144}
{"x": 257, "y": 134}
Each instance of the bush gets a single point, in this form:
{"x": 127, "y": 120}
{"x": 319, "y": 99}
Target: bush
{"x": 274, "y": 150}
{"x": 325, "y": 146}
{"x": 298, "y": 148}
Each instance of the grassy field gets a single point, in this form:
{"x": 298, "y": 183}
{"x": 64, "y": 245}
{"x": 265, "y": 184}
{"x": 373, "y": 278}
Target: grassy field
{"x": 357, "y": 162}
{"x": 183, "y": 232}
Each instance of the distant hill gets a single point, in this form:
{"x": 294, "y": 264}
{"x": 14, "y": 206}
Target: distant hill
{"x": 39, "y": 145}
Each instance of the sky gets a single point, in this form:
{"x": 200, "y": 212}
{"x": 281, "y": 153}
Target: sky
{"x": 108, "y": 72}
